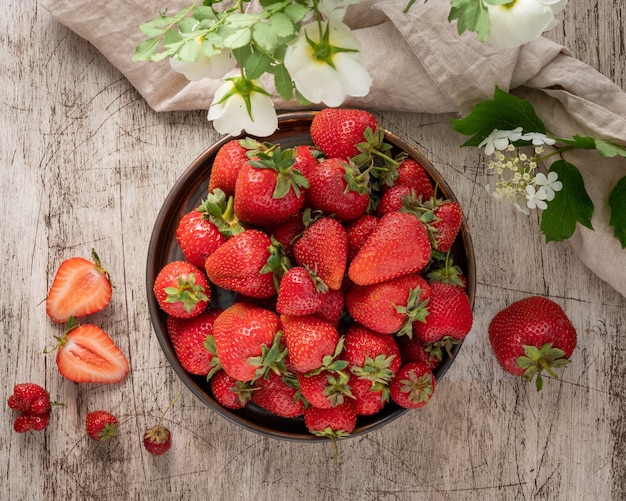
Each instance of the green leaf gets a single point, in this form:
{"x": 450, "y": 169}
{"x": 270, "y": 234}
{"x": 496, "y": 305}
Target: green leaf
{"x": 283, "y": 82}
{"x": 504, "y": 112}
{"x": 238, "y": 38}
{"x": 281, "y": 25}
{"x": 156, "y": 27}
{"x": 263, "y": 35}
{"x": 256, "y": 64}
{"x": 608, "y": 149}
{"x": 471, "y": 15}
{"x": 190, "y": 51}
{"x": 617, "y": 203}
{"x": 146, "y": 49}
{"x": 571, "y": 205}
{"x": 296, "y": 12}
{"x": 580, "y": 142}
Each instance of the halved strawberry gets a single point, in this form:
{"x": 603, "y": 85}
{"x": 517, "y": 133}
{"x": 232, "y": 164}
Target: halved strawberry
{"x": 80, "y": 287}
{"x": 86, "y": 354}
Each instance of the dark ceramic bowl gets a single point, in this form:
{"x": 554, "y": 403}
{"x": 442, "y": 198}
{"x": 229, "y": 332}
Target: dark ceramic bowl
{"x": 188, "y": 192}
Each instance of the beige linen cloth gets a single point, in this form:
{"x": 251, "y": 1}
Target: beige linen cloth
{"x": 418, "y": 63}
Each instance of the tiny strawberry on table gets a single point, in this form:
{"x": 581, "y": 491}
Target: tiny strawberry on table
{"x": 182, "y": 289}
{"x": 33, "y": 403}
{"x": 157, "y": 440}
{"x": 413, "y": 386}
{"x": 101, "y": 425}
{"x": 86, "y": 354}
{"x": 80, "y": 287}
{"x": 532, "y": 335}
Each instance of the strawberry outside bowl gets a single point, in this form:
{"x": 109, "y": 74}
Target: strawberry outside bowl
{"x": 188, "y": 192}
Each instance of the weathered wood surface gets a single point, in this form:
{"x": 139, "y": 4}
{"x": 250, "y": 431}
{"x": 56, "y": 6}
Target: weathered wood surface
{"x": 87, "y": 164}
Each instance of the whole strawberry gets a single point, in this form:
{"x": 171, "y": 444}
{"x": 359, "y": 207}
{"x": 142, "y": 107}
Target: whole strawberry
{"x": 181, "y": 289}
{"x": 446, "y": 224}
{"x": 301, "y": 292}
{"x": 532, "y": 335}
{"x": 229, "y": 392}
{"x": 228, "y": 161}
{"x": 101, "y": 425}
{"x": 279, "y": 395}
{"x": 410, "y": 173}
{"x": 157, "y": 440}
{"x": 336, "y": 132}
{"x": 309, "y": 340}
{"x": 399, "y": 245}
{"x": 413, "y": 386}
{"x": 198, "y": 237}
{"x": 358, "y": 231}
{"x": 33, "y": 403}
{"x": 334, "y": 423}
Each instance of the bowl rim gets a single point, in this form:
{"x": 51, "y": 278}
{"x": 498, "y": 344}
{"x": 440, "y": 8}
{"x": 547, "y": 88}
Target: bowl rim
{"x": 157, "y": 316}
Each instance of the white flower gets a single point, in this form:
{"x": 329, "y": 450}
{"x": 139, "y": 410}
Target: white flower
{"x": 241, "y": 104}
{"x": 327, "y": 67}
{"x": 214, "y": 67}
{"x": 549, "y": 185}
{"x": 535, "y": 199}
{"x": 520, "y": 21}
{"x": 537, "y": 138}
{"x": 499, "y": 139}
{"x": 335, "y": 9}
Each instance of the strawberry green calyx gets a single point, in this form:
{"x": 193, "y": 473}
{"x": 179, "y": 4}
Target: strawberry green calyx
{"x": 337, "y": 388}
{"x": 220, "y": 211}
{"x": 214, "y": 365}
{"x": 443, "y": 269}
{"x": 356, "y": 180}
{"x": 277, "y": 263}
{"x": 418, "y": 388}
{"x": 538, "y": 359}
{"x": 414, "y": 311}
{"x": 436, "y": 348}
{"x": 374, "y": 150}
{"x": 331, "y": 363}
{"x": 188, "y": 292}
{"x": 377, "y": 371}
{"x": 272, "y": 359}
{"x": 282, "y": 161}
{"x": 99, "y": 267}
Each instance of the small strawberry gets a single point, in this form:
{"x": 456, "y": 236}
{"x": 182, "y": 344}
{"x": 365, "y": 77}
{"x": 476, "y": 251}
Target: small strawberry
{"x": 287, "y": 232}
{"x": 333, "y": 423}
{"x": 157, "y": 440}
{"x": 301, "y": 292}
{"x": 241, "y": 265}
{"x": 323, "y": 248}
{"x": 305, "y": 159}
{"x": 413, "y": 350}
{"x": 532, "y": 335}
{"x": 247, "y": 341}
{"x": 332, "y": 307}
{"x": 229, "y": 392}
{"x": 310, "y": 340}
{"x": 358, "y": 231}
{"x": 449, "y": 317}
{"x": 336, "y": 132}
{"x": 188, "y": 336}
{"x": 182, "y": 290}
{"x": 80, "y": 287}
{"x": 339, "y": 188}
{"x": 268, "y": 190}
{"x": 28, "y": 420}
{"x": 228, "y": 161}
{"x": 413, "y": 386}
{"x": 25, "y": 395}
{"x": 368, "y": 399}
{"x": 86, "y": 354}
{"x": 399, "y": 245}
{"x": 198, "y": 237}
{"x": 411, "y": 173}
{"x": 101, "y": 425}
{"x": 325, "y": 389}
{"x": 389, "y": 307}
{"x": 446, "y": 224}
{"x": 392, "y": 200}
{"x": 279, "y": 395}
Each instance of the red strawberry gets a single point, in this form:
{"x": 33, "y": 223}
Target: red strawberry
{"x": 358, "y": 231}
{"x": 25, "y": 395}
{"x": 389, "y": 307}
{"x": 240, "y": 265}
{"x": 86, "y": 354}
{"x": 332, "y": 307}
{"x": 80, "y": 287}
{"x": 338, "y": 188}
{"x": 268, "y": 190}
{"x": 306, "y": 159}
{"x": 399, "y": 245}
{"x": 323, "y": 248}
{"x": 229, "y": 392}
{"x": 336, "y": 422}
{"x": 28, "y": 420}
{"x": 101, "y": 425}
{"x": 394, "y": 199}
{"x": 300, "y": 292}
{"x": 278, "y": 395}
{"x": 158, "y": 439}
{"x": 198, "y": 237}
{"x": 227, "y": 163}
{"x": 446, "y": 224}
{"x": 413, "y": 350}
{"x": 449, "y": 317}
{"x": 309, "y": 341}
{"x": 244, "y": 336}
{"x": 368, "y": 399}
{"x": 413, "y": 386}
{"x": 326, "y": 389}
{"x": 182, "y": 290}
{"x": 337, "y": 131}
{"x": 411, "y": 173}
{"x": 531, "y": 335}
{"x": 287, "y": 232}
{"x": 188, "y": 336}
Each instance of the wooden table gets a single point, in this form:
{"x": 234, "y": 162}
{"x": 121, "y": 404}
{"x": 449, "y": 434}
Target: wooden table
{"x": 87, "y": 164}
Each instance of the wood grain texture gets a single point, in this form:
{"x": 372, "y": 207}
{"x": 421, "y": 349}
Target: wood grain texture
{"x": 86, "y": 163}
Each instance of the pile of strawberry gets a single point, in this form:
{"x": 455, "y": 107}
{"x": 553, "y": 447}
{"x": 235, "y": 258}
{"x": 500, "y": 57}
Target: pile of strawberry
{"x": 338, "y": 258}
